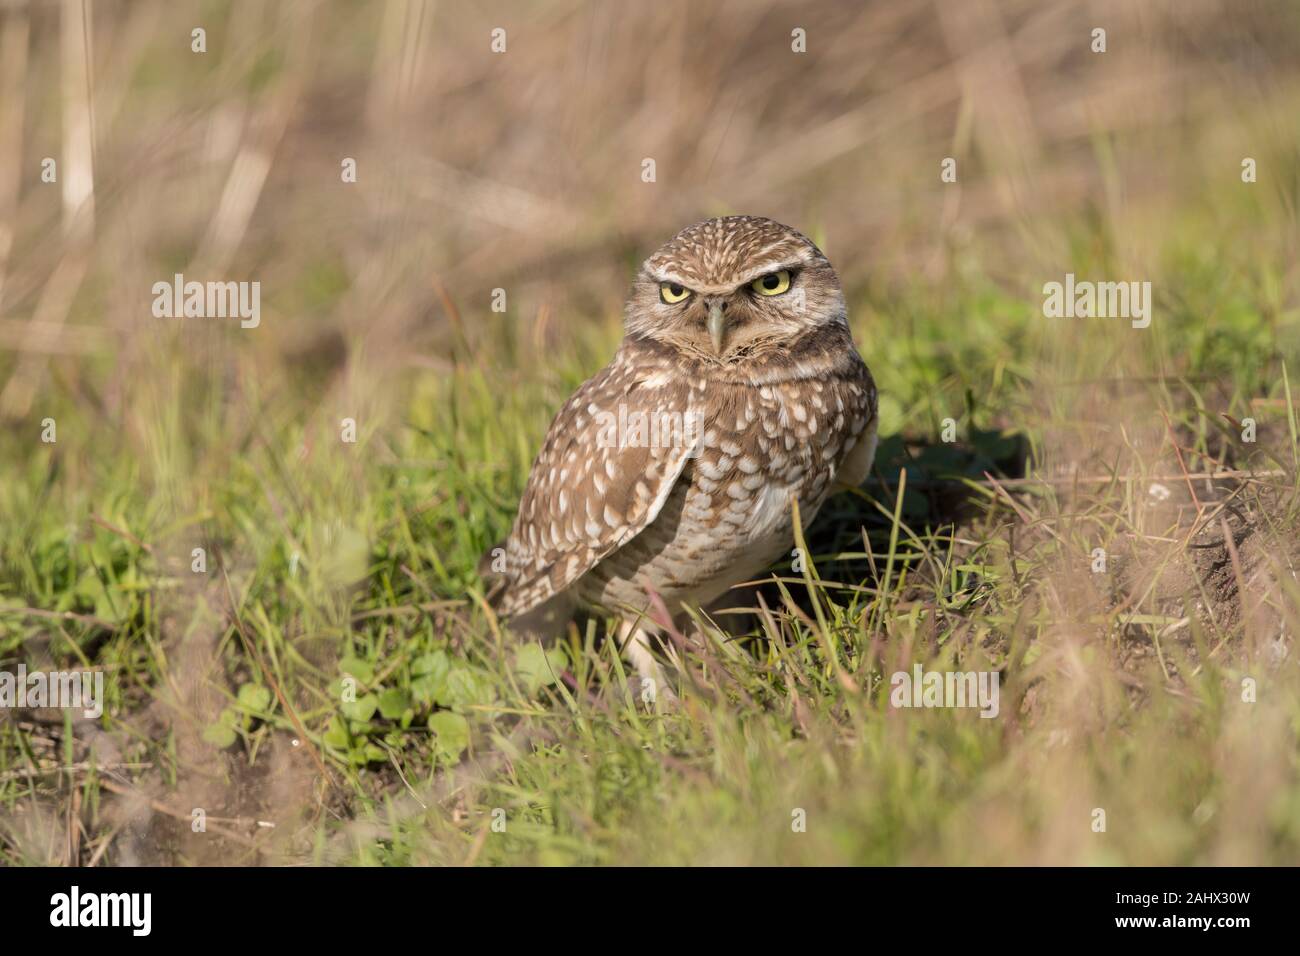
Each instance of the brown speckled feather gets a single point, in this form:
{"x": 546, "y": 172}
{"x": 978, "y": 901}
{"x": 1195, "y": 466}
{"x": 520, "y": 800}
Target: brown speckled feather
{"x": 582, "y": 500}
{"x": 784, "y": 411}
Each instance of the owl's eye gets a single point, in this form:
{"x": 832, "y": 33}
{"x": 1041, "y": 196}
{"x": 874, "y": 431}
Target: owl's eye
{"x": 672, "y": 293}
{"x": 774, "y": 283}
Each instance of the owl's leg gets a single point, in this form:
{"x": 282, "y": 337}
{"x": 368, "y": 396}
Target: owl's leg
{"x": 636, "y": 640}
{"x": 544, "y": 623}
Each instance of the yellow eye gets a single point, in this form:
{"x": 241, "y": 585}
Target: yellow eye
{"x": 672, "y": 293}
{"x": 774, "y": 283}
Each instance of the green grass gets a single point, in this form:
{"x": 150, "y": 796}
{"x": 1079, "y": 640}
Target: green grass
{"x": 339, "y": 622}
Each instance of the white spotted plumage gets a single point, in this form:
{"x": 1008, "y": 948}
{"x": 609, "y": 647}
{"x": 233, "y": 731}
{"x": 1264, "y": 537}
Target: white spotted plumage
{"x": 785, "y": 410}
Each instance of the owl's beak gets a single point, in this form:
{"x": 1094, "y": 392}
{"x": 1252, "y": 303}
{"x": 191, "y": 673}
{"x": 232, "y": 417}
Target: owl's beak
{"x": 717, "y": 326}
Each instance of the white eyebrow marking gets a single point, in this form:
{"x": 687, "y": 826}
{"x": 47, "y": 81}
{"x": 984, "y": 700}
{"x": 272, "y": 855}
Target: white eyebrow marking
{"x": 775, "y": 265}
{"x": 759, "y": 269}
{"x": 662, "y": 277}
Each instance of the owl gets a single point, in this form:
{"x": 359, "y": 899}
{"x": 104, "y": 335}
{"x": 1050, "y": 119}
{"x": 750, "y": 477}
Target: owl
{"x": 736, "y": 393}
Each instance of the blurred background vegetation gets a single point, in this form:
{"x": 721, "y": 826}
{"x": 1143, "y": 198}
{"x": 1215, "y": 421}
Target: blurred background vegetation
{"x": 522, "y": 171}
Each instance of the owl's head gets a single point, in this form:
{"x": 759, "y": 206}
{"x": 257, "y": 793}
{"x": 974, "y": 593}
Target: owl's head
{"x": 728, "y": 289}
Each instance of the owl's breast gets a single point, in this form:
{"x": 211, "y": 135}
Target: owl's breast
{"x": 732, "y": 511}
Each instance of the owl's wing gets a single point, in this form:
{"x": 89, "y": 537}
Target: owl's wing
{"x": 860, "y": 401}
{"x": 597, "y": 482}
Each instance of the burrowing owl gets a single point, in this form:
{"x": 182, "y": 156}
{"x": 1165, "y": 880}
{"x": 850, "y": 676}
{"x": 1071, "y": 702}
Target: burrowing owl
{"x": 736, "y": 390}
